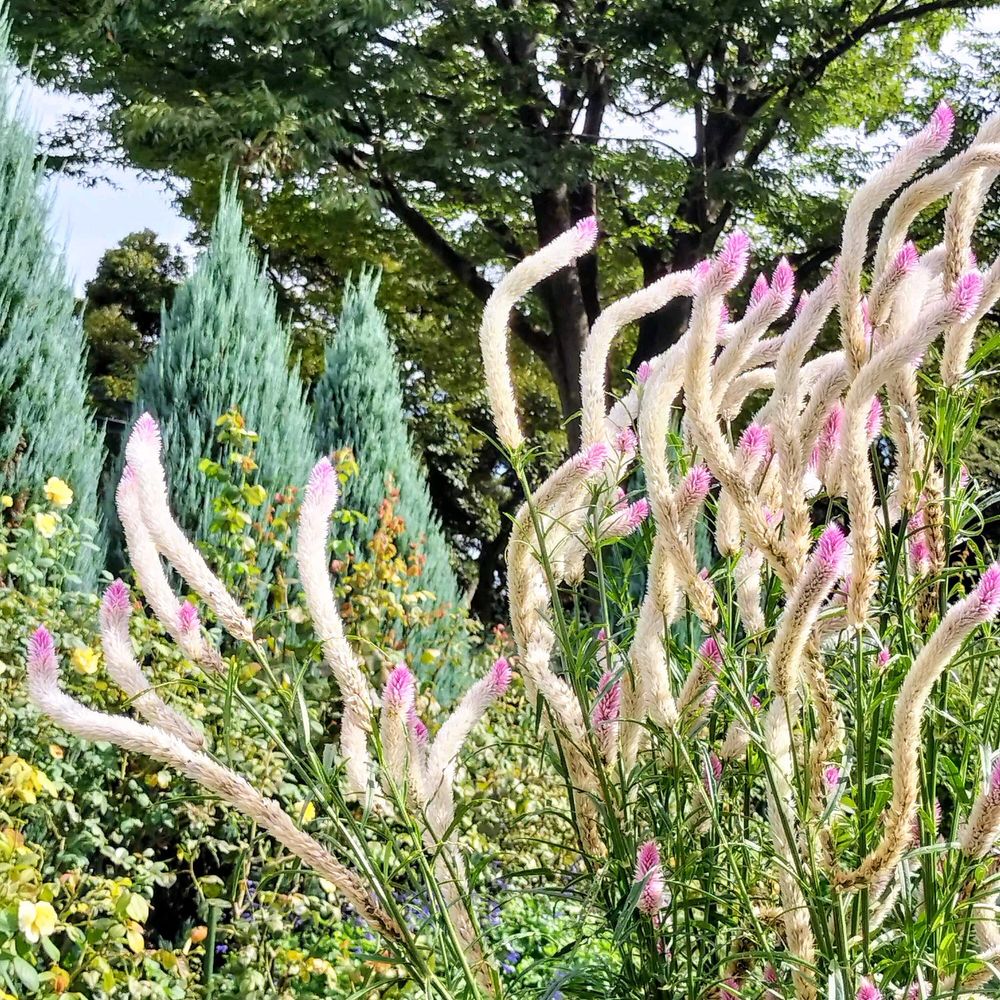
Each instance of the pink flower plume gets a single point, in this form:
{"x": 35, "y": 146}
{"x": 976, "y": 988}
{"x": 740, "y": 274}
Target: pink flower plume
{"x": 147, "y": 429}
{"x": 593, "y": 458}
{"x": 418, "y": 727}
{"x": 643, "y": 372}
{"x": 832, "y": 776}
{"x": 759, "y": 291}
{"x": 626, "y": 441}
{"x": 713, "y": 770}
{"x": 698, "y": 482}
{"x": 938, "y": 133}
{"x": 586, "y": 232}
{"x": 116, "y": 604}
{"x": 987, "y": 594}
{"x": 831, "y": 550}
{"x": 649, "y": 872}
{"x": 995, "y": 777}
{"x": 966, "y": 294}
{"x": 499, "y": 676}
{"x": 636, "y": 513}
{"x": 710, "y": 652}
{"x": 42, "y": 663}
{"x": 731, "y": 263}
{"x": 400, "y": 690}
{"x": 322, "y": 481}
{"x": 801, "y": 304}
{"x": 783, "y": 282}
{"x": 907, "y": 259}
{"x": 868, "y": 991}
{"x": 608, "y": 706}
{"x": 755, "y": 441}
{"x": 188, "y": 617}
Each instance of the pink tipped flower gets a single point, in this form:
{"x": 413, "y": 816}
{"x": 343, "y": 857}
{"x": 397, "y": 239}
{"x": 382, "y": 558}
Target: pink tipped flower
{"x": 801, "y": 304}
{"x": 873, "y": 425}
{"x": 607, "y": 709}
{"x": 42, "y": 663}
{"x": 832, "y": 776}
{"x": 730, "y": 989}
{"x": 868, "y": 991}
{"x": 920, "y": 554}
{"x": 755, "y": 441}
{"x": 770, "y": 974}
{"x": 906, "y": 260}
{"x": 636, "y": 513}
{"x": 116, "y": 605}
{"x": 500, "y": 676}
{"x": 883, "y": 657}
{"x": 322, "y": 481}
{"x": 755, "y": 702}
{"x": 938, "y": 133}
{"x": 783, "y": 282}
{"x": 147, "y": 430}
{"x": 643, "y": 372}
{"x": 187, "y": 618}
{"x": 400, "y": 690}
{"x": 759, "y": 291}
{"x": 966, "y": 294}
{"x": 703, "y": 573}
{"x": 964, "y": 479}
{"x": 698, "y": 481}
{"x": 710, "y": 652}
{"x": 626, "y": 442}
{"x": 831, "y": 550}
{"x": 731, "y": 264}
{"x": 987, "y": 594}
{"x": 995, "y": 777}
{"x": 649, "y": 873}
{"x": 602, "y": 634}
{"x": 712, "y": 771}
{"x": 586, "y": 231}
{"x": 593, "y": 458}
{"x": 829, "y": 438}
{"x": 418, "y": 727}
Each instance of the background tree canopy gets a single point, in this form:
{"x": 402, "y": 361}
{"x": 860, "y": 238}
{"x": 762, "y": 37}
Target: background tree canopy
{"x": 442, "y": 142}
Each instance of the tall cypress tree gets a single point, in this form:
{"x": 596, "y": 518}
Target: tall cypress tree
{"x": 222, "y": 346}
{"x": 359, "y": 404}
{"x": 46, "y": 427}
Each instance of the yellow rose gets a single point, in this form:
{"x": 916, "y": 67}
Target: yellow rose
{"x": 58, "y": 493}
{"x": 84, "y": 660}
{"x": 36, "y": 920}
{"x": 46, "y": 524}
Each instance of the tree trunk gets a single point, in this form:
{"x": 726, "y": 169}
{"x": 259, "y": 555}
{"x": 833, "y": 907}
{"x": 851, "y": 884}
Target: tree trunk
{"x": 566, "y": 306}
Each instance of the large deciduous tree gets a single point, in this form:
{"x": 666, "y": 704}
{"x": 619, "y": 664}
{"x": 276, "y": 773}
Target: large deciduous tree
{"x": 486, "y": 128}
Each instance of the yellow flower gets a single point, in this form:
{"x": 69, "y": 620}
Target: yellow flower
{"x": 46, "y": 524}
{"x": 36, "y": 920}
{"x": 84, "y": 660}
{"x": 6, "y": 501}
{"x": 307, "y": 813}
{"x": 57, "y": 492}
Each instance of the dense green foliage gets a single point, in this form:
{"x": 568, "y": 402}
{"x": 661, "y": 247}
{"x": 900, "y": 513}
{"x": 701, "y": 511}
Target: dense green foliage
{"x": 441, "y": 141}
{"x": 45, "y": 422}
{"x": 222, "y": 346}
{"x": 358, "y": 405}
{"x": 122, "y": 307}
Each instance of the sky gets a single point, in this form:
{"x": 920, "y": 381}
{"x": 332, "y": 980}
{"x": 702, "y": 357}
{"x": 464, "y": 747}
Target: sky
{"x": 89, "y": 218}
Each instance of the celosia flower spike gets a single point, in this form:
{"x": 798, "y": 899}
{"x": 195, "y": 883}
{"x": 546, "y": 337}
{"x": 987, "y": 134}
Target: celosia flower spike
{"x": 42, "y": 656}
{"x": 731, "y": 263}
{"x": 938, "y": 132}
{"x": 759, "y": 291}
{"x": 400, "y": 690}
{"x": 987, "y": 594}
{"x": 868, "y": 991}
{"x": 116, "y": 605}
{"x": 643, "y": 372}
{"x": 755, "y": 442}
{"x": 499, "y": 677}
{"x": 322, "y": 484}
{"x": 188, "y": 618}
{"x": 649, "y": 873}
{"x": 966, "y": 294}
{"x": 831, "y": 550}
